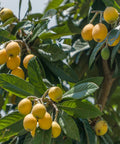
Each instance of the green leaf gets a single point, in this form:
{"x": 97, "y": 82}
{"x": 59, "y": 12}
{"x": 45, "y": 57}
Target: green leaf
{"x": 84, "y": 7}
{"x": 95, "y": 51}
{"x": 90, "y": 134}
{"x": 114, "y": 52}
{"x": 34, "y": 16}
{"x": 39, "y": 29}
{"x": 69, "y": 126}
{"x": 65, "y": 6}
{"x": 9, "y": 21}
{"x": 35, "y": 77}
{"x": 19, "y": 25}
{"x": 81, "y": 91}
{"x": 29, "y": 6}
{"x": 52, "y": 52}
{"x": 62, "y": 70}
{"x": 17, "y": 86}
{"x": 80, "y": 109}
{"x": 20, "y": 4}
{"x": 73, "y": 28}
{"x": 10, "y": 119}
{"x": 2, "y": 93}
{"x": 97, "y": 80}
{"x": 9, "y": 132}
{"x": 53, "y": 4}
{"x": 62, "y": 29}
{"x": 42, "y": 137}
{"x": 4, "y": 69}
{"x": 114, "y": 34}
{"x": 28, "y": 139}
{"x": 52, "y": 35}
{"x": 112, "y": 3}
{"x": 6, "y": 35}
{"x": 106, "y": 139}
{"x": 50, "y": 13}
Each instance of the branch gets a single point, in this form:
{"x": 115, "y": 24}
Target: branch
{"x": 106, "y": 85}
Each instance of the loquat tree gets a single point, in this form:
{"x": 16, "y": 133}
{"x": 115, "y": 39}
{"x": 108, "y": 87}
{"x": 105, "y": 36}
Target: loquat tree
{"x": 60, "y": 84}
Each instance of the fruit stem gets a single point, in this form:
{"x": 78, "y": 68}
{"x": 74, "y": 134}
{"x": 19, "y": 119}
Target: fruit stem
{"x": 101, "y": 14}
{"x": 24, "y": 43}
{"x": 57, "y": 111}
{"x": 44, "y": 95}
{"x": 93, "y": 18}
{"x": 32, "y": 97}
{"x": 55, "y": 107}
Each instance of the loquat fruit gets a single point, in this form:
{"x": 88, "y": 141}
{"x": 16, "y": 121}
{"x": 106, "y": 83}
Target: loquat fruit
{"x": 99, "y": 32}
{"x": 86, "y": 32}
{"x": 5, "y": 14}
{"x": 110, "y": 15}
{"x": 115, "y": 42}
{"x": 55, "y": 93}
{"x": 33, "y": 132}
{"x": 56, "y": 129}
{"x": 13, "y": 62}
{"x": 27, "y": 59}
{"x": 18, "y": 72}
{"x": 13, "y": 49}
{"x": 46, "y": 122}
{"x": 38, "y": 111}
{"x": 101, "y": 128}
{"x": 25, "y": 106}
{"x": 3, "y": 56}
{"x": 29, "y": 122}
{"x": 105, "y": 53}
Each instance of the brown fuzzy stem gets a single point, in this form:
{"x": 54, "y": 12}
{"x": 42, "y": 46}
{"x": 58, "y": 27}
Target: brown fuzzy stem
{"x": 106, "y": 85}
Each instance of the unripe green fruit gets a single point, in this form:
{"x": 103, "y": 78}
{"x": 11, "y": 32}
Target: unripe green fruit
{"x": 105, "y": 53}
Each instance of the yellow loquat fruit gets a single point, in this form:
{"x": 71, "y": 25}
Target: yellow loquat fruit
{"x": 99, "y": 32}
{"x": 3, "y": 56}
{"x": 27, "y": 59}
{"x": 25, "y": 106}
{"x": 46, "y": 122}
{"x": 86, "y": 32}
{"x": 56, "y": 129}
{"x": 29, "y": 122}
{"x": 115, "y": 42}
{"x": 38, "y": 111}
{"x": 101, "y": 128}
{"x": 110, "y": 15}
{"x": 55, "y": 93}
{"x": 5, "y": 14}
{"x": 33, "y": 132}
{"x": 18, "y": 72}
{"x": 13, "y": 49}
{"x": 13, "y": 62}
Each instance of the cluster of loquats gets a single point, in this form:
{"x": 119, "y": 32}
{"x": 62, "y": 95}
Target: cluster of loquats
{"x": 36, "y": 115}
{"x": 99, "y": 32}
{"x": 11, "y": 56}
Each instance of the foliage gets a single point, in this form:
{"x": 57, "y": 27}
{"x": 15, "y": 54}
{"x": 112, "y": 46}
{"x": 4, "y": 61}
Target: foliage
{"x": 64, "y": 59}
